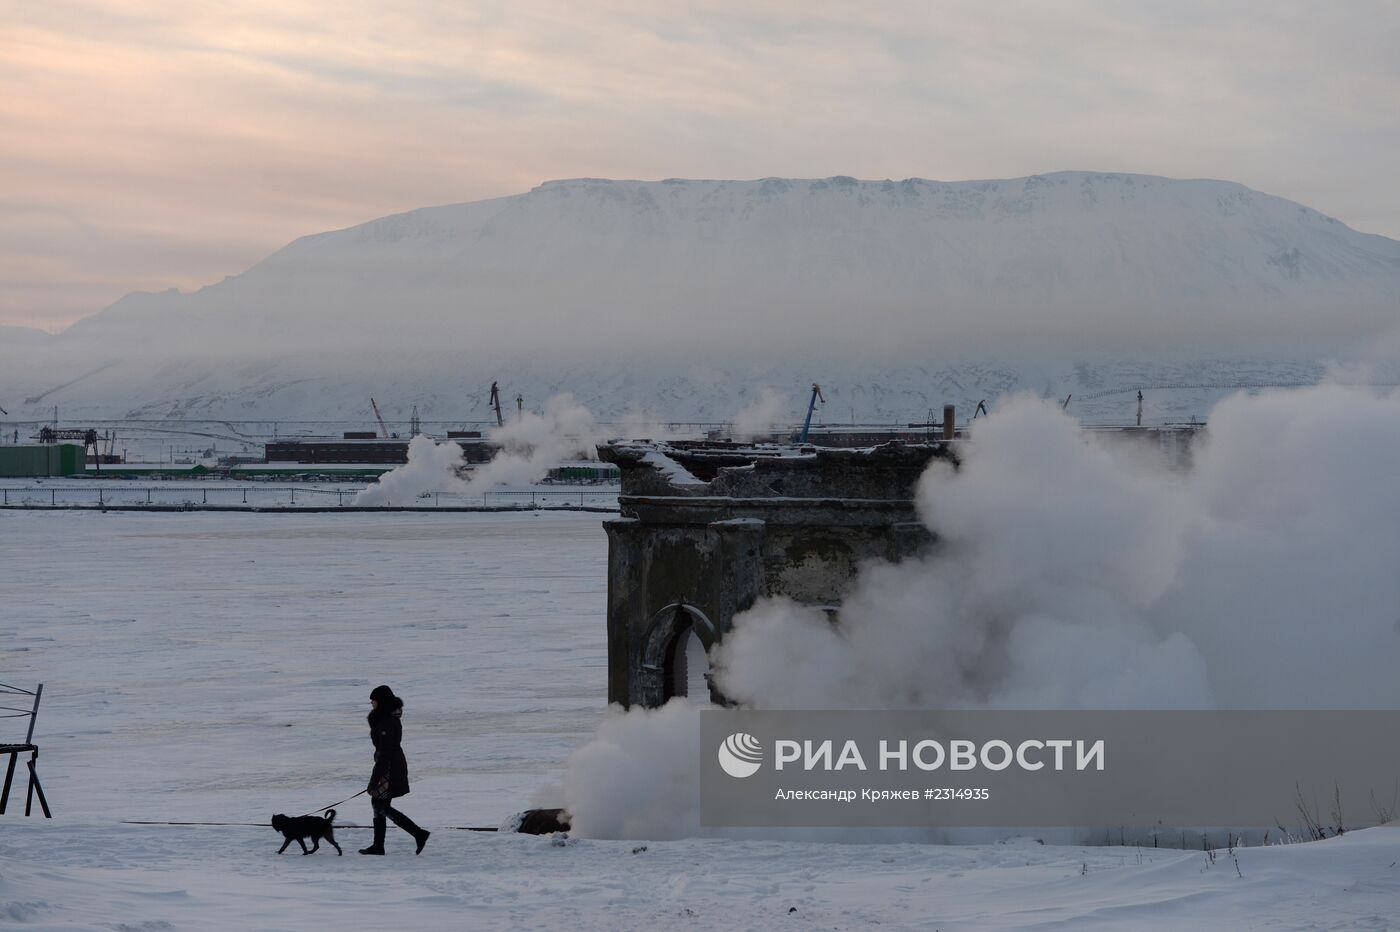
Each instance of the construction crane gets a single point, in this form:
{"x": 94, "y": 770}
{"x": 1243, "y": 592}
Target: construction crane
{"x": 380, "y": 418}
{"x": 811, "y": 406}
{"x": 495, "y": 402}
{"x": 90, "y": 439}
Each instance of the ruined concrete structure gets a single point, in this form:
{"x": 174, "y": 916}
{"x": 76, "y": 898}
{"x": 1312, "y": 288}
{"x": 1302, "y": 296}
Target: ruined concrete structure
{"x": 709, "y": 527}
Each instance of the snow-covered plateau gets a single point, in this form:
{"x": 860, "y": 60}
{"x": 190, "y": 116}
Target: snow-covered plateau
{"x": 216, "y": 667}
{"x": 682, "y": 300}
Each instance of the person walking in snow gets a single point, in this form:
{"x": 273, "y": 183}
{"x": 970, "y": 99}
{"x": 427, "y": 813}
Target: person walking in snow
{"x": 389, "y": 779}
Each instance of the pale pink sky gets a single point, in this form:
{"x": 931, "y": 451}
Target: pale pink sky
{"x": 147, "y": 145}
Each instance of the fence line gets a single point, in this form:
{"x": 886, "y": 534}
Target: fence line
{"x": 58, "y": 496}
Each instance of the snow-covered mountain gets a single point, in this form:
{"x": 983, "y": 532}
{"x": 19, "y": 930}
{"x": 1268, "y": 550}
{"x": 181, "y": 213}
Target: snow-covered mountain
{"x": 22, "y": 336}
{"x": 683, "y": 296}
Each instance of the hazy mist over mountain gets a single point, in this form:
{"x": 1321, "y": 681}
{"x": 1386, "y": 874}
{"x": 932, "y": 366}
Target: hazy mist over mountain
{"x": 682, "y": 297}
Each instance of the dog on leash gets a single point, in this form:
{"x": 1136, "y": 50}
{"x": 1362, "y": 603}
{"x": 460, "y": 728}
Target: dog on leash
{"x": 299, "y": 828}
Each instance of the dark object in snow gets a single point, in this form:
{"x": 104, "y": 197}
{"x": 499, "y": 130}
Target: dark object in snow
{"x": 15, "y": 750}
{"x": 544, "y": 822}
{"x": 389, "y": 779}
{"x": 299, "y": 828}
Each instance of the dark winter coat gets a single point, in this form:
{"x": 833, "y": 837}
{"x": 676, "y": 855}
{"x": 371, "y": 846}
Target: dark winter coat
{"x": 386, "y": 731}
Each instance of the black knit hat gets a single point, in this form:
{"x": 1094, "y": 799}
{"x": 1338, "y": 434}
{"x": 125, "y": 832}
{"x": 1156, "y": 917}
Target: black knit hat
{"x": 385, "y": 697}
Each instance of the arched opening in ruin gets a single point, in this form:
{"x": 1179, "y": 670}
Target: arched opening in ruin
{"x": 676, "y": 655}
{"x": 688, "y": 666}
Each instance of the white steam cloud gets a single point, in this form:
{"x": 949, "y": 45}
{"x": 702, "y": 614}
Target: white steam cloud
{"x": 529, "y": 447}
{"x": 431, "y": 467}
{"x": 534, "y": 443}
{"x": 643, "y": 424}
{"x": 639, "y": 776}
{"x": 760, "y": 417}
{"x": 1072, "y": 573}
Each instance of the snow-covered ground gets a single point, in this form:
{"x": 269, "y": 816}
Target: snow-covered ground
{"x": 133, "y": 878}
{"x": 216, "y": 667}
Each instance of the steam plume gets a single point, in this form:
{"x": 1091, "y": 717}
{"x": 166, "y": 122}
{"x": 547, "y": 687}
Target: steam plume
{"x": 759, "y": 417}
{"x": 1071, "y": 573}
{"x": 529, "y": 447}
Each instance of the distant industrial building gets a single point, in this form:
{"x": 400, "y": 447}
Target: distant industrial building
{"x": 42, "y": 460}
{"x": 366, "y": 448}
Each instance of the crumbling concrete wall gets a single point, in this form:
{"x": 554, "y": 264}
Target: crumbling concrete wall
{"x": 709, "y": 528}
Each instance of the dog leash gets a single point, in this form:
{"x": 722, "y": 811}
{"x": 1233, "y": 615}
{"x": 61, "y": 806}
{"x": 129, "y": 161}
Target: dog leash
{"x": 459, "y": 828}
{"x": 333, "y": 805}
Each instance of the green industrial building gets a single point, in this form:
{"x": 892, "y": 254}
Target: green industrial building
{"x": 49, "y": 459}
{"x": 597, "y": 472}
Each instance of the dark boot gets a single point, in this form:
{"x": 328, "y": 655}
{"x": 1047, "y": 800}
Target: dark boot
{"x": 378, "y": 846}
{"x": 404, "y": 822}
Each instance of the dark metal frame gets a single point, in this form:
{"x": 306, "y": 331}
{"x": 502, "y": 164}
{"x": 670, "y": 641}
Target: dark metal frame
{"x": 15, "y": 750}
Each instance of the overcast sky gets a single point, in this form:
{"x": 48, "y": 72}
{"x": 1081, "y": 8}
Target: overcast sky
{"x": 147, "y": 145}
